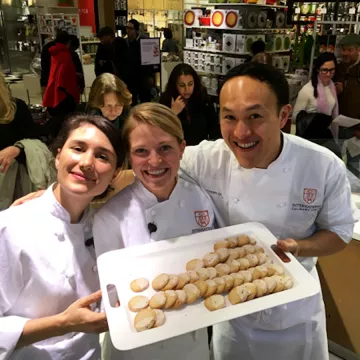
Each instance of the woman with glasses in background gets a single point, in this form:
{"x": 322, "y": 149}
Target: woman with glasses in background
{"x": 319, "y": 94}
{"x": 317, "y": 104}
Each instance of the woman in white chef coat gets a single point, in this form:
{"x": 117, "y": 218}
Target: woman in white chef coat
{"x": 297, "y": 189}
{"x": 158, "y": 205}
{"x": 49, "y": 282}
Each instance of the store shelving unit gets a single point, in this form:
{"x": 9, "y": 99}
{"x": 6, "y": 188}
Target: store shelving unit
{"x": 213, "y": 50}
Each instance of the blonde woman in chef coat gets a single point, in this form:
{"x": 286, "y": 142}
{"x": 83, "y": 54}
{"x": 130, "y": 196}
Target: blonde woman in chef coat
{"x": 49, "y": 283}
{"x": 158, "y": 205}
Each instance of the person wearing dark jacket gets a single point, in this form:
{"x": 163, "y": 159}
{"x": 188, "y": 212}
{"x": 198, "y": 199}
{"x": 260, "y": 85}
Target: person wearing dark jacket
{"x": 188, "y": 99}
{"x": 112, "y": 55}
{"x": 141, "y": 77}
{"x": 16, "y": 124}
{"x": 74, "y": 45}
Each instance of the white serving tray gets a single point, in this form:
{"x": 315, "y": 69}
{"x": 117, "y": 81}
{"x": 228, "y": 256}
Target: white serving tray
{"x": 120, "y": 267}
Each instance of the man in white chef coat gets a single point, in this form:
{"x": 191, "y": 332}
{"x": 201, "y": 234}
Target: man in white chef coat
{"x": 297, "y": 189}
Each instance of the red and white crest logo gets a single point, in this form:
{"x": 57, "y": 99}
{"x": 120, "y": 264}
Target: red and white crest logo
{"x": 310, "y": 195}
{"x": 202, "y": 218}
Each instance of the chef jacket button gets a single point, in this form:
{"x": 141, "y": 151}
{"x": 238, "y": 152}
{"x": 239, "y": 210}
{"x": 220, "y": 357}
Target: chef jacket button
{"x": 186, "y": 184}
{"x": 236, "y": 200}
{"x": 86, "y": 228}
{"x": 153, "y": 212}
{"x": 268, "y": 312}
{"x": 182, "y": 203}
{"x": 286, "y": 170}
{"x": 281, "y": 205}
{"x": 94, "y": 268}
{"x": 60, "y": 236}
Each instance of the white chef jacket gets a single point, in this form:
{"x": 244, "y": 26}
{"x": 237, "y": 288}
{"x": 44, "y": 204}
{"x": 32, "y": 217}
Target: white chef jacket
{"x": 44, "y": 267}
{"x": 123, "y": 222}
{"x": 303, "y": 190}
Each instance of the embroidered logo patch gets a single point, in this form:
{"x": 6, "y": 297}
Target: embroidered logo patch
{"x": 202, "y": 218}
{"x": 310, "y": 195}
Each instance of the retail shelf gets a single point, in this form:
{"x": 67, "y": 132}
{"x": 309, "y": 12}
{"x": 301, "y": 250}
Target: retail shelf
{"x": 244, "y": 30}
{"x": 235, "y": 5}
{"x": 90, "y": 42}
{"x": 231, "y": 53}
{"x": 46, "y": 33}
{"x": 90, "y": 53}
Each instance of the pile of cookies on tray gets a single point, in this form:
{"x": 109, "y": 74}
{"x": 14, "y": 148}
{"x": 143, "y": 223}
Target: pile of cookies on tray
{"x": 237, "y": 265}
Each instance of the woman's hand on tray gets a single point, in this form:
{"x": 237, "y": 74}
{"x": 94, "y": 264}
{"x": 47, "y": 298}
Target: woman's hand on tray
{"x": 79, "y": 317}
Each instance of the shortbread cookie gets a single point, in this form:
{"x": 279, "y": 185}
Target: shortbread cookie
{"x": 238, "y": 279}
{"x": 158, "y": 300}
{"x": 202, "y": 286}
{"x": 241, "y": 251}
{"x": 250, "y": 249}
{"x": 261, "y": 257}
{"x": 238, "y": 295}
{"x": 173, "y": 281}
{"x": 223, "y": 254}
{"x": 203, "y": 274}
{"x": 160, "y": 281}
{"x": 252, "y": 290}
{"x": 280, "y": 284}
{"x": 233, "y": 254}
{"x": 211, "y": 259}
{"x": 246, "y": 275}
{"x": 222, "y": 269}
{"x": 181, "y": 299}
{"x": 243, "y": 240}
{"x": 252, "y": 241}
{"x": 274, "y": 269}
{"x": 145, "y": 320}
{"x": 171, "y": 298}
{"x": 229, "y": 282}
{"x": 255, "y": 273}
{"x": 211, "y": 288}
{"x": 263, "y": 271}
{"x": 212, "y": 272}
{"x": 234, "y": 265}
{"x": 221, "y": 244}
{"x": 220, "y": 283}
{"x": 139, "y": 285}
{"x": 288, "y": 282}
{"x": 160, "y": 318}
{"x": 192, "y": 293}
{"x": 271, "y": 285}
{"x": 253, "y": 260}
{"x": 215, "y": 302}
{"x": 232, "y": 241}
{"x": 194, "y": 264}
{"x": 193, "y": 275}
{"x": 244, "y": 263}
{"x": 184, "y": 279}
{"x": 138, "y": 303}
{"x": 259, "y": 249}
{"x": 261, "y": 287}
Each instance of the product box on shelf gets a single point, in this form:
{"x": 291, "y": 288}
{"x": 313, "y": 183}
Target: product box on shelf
{"x": 277, "y": 62}
{"x": 278, "y": 42}
{"x": 229, "y": 43}
{"x": 239, "y": 61}
{"x": 286, "y": 63}
{"x": 191, "y": 17}
{"x": 228, "y": 63}
{"x": 189, "y": 43}
{"x": 225, "y": 19}
{"x": 286, "y": 42}
{"x": 240, "y": 44}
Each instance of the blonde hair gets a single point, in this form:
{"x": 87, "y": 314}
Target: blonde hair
{"x": 154, "y": 114}
{"x": 106, "y": 84}
{"x": 7, "y": 103}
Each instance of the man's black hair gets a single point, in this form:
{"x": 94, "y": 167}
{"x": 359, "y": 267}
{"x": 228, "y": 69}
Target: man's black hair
{"x": 62, "y": 37}
{"x": 135, "y": 23}
{"x": 168, "y": 33}
{"x": 265, "y": 73}
{"x": 106, "y": 31}
{"x": 257, "y": 46}
{"x": 74, "y": 42}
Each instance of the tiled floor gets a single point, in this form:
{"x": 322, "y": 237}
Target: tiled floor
{"x": 334, "y": 357}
